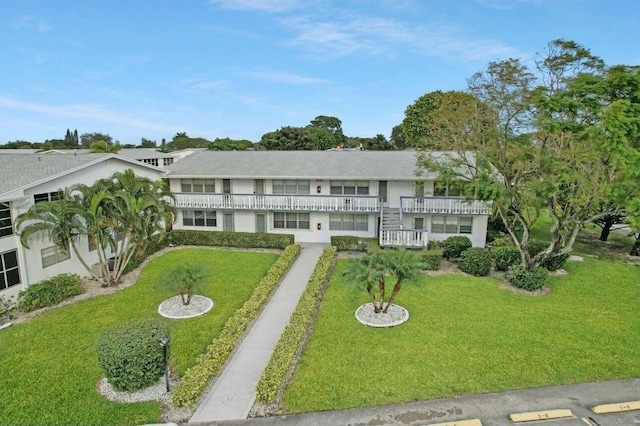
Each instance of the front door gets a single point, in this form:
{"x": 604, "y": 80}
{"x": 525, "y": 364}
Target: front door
{"x": 382, "y": 191}
{"x": 261, "y": 222}
{"x": 259, "y": 186}
{"x": 227, "y": 222}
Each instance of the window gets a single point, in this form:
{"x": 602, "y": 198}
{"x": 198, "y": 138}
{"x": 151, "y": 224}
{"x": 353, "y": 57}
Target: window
{"x": 348, "y": 222}
{"x": 418, "y": 223}
{"x": 419, "y": 189}
{"x": 451, "y": 225}
{"x": 291, "y": 187}
{"x": 47, "y": 196}
{"x": 152, "y": 161}
{"x": 9, "y": 272}
{"x": 167, "y": 161}
{"x": 199, "y": 218}
{"x": 442, "y": 190}
{"x": 349, "y": 187}
{"x": 287, "y": 220}
{"x": 6, "y": 227}
{"x": 198, "y": 185}
{"x": 52, "y": 255}
{"x": 91, "y": 246}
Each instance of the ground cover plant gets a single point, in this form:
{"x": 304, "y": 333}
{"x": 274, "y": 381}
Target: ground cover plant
{"x": 50, "y": 367}
{"x": 467, "y": 335}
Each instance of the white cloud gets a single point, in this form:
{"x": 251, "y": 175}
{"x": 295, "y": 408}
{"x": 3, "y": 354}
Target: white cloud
{"x": 204, "y": 85}
{"x": 270, "y": 6}
{"x": 384, "y": 37}
{"x": 283, "y": 77}
{"x": 31, "y": 23}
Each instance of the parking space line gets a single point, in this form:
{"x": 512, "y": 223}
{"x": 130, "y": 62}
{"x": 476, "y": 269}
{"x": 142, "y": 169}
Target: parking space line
{"x": 470, "y": 422}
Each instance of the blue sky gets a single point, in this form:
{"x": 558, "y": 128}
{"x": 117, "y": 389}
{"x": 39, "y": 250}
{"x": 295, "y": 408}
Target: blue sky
{"x": 241, "y": 68}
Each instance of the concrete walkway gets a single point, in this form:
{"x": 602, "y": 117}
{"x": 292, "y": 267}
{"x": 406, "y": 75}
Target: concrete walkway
{"x": 234, "y": 393}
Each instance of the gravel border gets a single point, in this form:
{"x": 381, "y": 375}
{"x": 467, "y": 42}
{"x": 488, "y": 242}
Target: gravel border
{"x": 396, "y": 315}
{"x": 173, "y": 308}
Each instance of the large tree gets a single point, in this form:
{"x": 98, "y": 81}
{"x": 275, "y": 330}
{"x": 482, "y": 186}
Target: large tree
{"x": 537, "y": 147}
{"x": 119, "y": 216}
{"x": 86, "y": 139}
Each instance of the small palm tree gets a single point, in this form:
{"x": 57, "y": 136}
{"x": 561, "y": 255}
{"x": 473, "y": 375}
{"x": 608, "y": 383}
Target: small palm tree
{"x": 373, "y": 269}
{"x": 186, "y": 279}
{"x": 368, "y": 271}
{"x": 103, "y": 146}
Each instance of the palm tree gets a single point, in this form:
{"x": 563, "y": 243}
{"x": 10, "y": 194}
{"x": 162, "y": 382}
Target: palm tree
{"x": 369, "y": 272}
{"x": 404, "y": 266}
{"x": 103, "y": 146}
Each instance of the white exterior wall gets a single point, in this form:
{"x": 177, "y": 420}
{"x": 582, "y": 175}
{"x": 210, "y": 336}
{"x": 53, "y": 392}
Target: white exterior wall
{"x": 30, "y": 260}
{"x": 397, "y": 189}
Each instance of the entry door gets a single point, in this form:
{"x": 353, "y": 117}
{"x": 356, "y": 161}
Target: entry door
{"x": 227, "y": 222}
{"x": 382, "y": 191}
{"x": 226, "y": 186}
{"x": 261, "y": 222}
{"x": 259, "y": 186}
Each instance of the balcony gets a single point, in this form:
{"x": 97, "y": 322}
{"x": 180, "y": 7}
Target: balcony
{"x": 327, "y": 203}
{"x": 409, "y": 238}
{"x": 444, "y": 205}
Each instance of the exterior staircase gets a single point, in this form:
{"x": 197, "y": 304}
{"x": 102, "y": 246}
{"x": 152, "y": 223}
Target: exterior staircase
{"x": 391, "y": 219}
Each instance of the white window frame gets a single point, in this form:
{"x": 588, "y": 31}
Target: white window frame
{"x": 291, "y": 186}
{"x": 291, "y": 220}
{"x": 452, "y": 224}
{"x": 5, "y": 271}
{"x": 47, "y": 196}
{"x": 348, "y": 222}
{"x": 53, "y": 255}
{"x": 349, "y": 187}
{"x": 198, "y": 185}
{"x": 207, "y": 218}
{"x": 6, "y": 224}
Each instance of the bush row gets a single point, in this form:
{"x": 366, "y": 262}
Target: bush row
{"x": 432, "y": 259}
{"x": 131, "y": 355}
{"x": 476, "y": 261}
{"x": 231, "y": 239}
{"x": 351, "y": 243}
{"x": 209, "y": 364}
{"x": 49, "y": 292}
{"x": 453, "y": 247}
{"x": 287, "y": 349}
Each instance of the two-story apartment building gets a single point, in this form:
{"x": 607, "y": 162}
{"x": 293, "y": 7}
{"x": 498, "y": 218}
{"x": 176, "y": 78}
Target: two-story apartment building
{"x": 317, "y": 194}
{"x": 29, "y": 179}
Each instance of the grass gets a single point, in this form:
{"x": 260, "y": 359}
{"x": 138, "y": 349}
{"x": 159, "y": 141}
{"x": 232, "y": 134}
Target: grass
{"x": 49, "y": 368}
{"x": 467, "y": 336}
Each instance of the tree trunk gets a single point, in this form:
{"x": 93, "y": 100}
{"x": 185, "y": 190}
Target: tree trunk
{"x": 396, "y": 290}
{"x": 606, "y": 230}
{"x": 184, "y": 301}
{"x": 635, "y": 251}
{"x": 373, "y": 299}
{"x": 381, "y": 288}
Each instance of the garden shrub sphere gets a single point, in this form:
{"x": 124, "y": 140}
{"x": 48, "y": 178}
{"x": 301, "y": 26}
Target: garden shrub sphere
{"x": 475, "y": 261}
{"x": 528, "y": 280}
{"x": 505, "y": 257}
{"x": 453, "y": 247}
{"x": 131, "y": 355}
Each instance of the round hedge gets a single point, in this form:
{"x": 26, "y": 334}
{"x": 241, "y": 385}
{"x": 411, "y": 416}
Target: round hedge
{"x": 131, "y": 355}
{"x": 528, "y": 280}
{"x": 505, "y": 257}
{"x": 475, "y": 261}
{"x": 453, "y": 247}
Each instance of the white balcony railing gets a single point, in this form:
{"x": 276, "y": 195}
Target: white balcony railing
{"x": 329, "y": 203}
{"x": 442, "y": 205}
{"x": 403, "y": 238}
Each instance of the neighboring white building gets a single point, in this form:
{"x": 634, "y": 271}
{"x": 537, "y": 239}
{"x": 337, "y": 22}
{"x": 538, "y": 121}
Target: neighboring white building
{"x": 316, "y": 194}
{"x": 28, "y": 179}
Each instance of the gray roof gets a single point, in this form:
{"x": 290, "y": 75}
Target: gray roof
{"x": 356, "y": 164}
{"x": 142, "y": 153}
{"x": 20, "y": 171}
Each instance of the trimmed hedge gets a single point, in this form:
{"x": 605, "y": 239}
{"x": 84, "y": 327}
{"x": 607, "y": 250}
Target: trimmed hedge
{"x": 432, "y": 259}
{"x": 350, "y": 243}
{"x": 209, "y": 364}
{"x": 131, "y": 355}
{"x": 505, "y": 257}
{"x": 49, "y": 292}
{"x": 231, "y": 239}
{"x": 476, "y": 261}
{"x": 453, "y": 247}
{"x": 290, "y": 343}
{"x": 529, "y": 280}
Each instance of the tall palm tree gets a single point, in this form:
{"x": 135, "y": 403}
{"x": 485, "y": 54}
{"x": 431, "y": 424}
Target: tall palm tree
{"x": 369, "y": 272}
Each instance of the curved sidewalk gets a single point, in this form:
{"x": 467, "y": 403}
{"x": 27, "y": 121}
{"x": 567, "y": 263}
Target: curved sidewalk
{"x": 234, "y": 392}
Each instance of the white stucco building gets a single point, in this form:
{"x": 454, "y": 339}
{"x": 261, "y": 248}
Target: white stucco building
{"x": 316, "y": 194}
{"x": 28, "y": 179}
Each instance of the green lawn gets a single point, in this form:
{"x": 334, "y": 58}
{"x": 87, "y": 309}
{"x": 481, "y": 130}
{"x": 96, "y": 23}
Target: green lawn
{"x": 49, "y": 368}
{"x": 466, "y": 336}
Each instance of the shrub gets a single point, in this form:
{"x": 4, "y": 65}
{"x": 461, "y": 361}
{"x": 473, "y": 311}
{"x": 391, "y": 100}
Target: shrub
{"x": 432, "y": 259}
{"x": 536, "y": 246}
{"x": 231, "y": 239}
{"x": 475, "y": 261}
{"x": 350, "y": 243}
{"x": 555, "y": 262}
{"x": 434, "y": 244}
{"x": 453, "y": 247}
{"x": 210, "y": 363}
{"x": 290, "y": 343}
{"x": 505, "y": 257}
{"x": 131, "y": 355}
{"x": 502, "y": 241}
{"x": 529, "y": 280}
{"x": 49, "y": 292}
